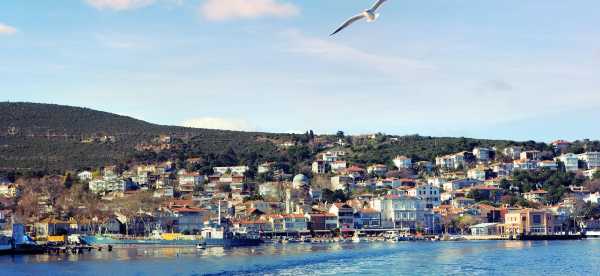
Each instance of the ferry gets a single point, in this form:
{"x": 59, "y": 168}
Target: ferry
{"x": 108, "y": 240}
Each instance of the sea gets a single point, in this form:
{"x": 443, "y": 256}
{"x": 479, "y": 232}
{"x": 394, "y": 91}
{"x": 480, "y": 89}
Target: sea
{"x": 375, "y": 258}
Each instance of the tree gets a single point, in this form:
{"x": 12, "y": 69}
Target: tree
{"x": 465, "y": 222}
{"x": 68, "y": 181}
{"x": 340, "y": 134}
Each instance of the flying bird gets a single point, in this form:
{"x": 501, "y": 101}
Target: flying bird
{"x": 369, "y": 14}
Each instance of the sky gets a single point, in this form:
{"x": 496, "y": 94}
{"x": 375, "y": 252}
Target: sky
{"x": 527, "y": 69}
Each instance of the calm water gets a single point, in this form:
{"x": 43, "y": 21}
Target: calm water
{"x": 423, "y": 258}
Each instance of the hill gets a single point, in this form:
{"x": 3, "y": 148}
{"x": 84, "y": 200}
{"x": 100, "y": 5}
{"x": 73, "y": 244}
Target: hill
{"x": 55, "y": 137}
{"x": 47, "y": 137}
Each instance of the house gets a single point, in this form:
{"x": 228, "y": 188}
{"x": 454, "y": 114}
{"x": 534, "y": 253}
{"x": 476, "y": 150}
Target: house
{"x": 341, "y": 182}
{"x": 53, "y": 227}
{"x": 238, "y": 170}
{"x": 548, "y": 164}
{"x": 100, "y": 186}
{"x": 536, "y": 196}
{"x": 356, "y": 172}
{"x": 531, "y": 155}
{"x": 570, "y": 161}
{"x": 460, "y": 184}
{"x": 329, "y": 157}
{"x": 512, "y": 152}
{"x": 272, "y": 189}
{"x": 403, "y": 212}
{"x": 528, "y": 222}
{"x": 8, "y": 190}
{"x": 590, "y": 159}
{"x": 525, "y": 164}
{"x": 377, "y": 169}
{"x": 402, "y": 162}
{"x": 289, "y": 223}
{"x": 462, "y": 202}
{"x": 450, "y": 162}
{"x": 345, "y": 214}
{"x": 427, "y": 192}
{"x": 322, "y": 222}
{"x": 389, "y": 182}
{"x": 561, "y": 145}
{"x": 85, "y": 176}
{"x": 266, "y": 167}
{"x": 295, "y": 223}
{"x": 485, "y": 192}
{"x": 503, "y": 169}
{"x": 319, "y": 167}
{"x": 483, "y": 154}
{"x": 477, "y": 173}
{"x": 338, "y": 166}
{"x": 485, "y": 229}
{"x": 253, "y": 227}
{"x": 367, "y": 218}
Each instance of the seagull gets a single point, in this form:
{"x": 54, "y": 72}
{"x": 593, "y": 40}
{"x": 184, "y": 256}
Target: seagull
{"x": 369, "y": 14}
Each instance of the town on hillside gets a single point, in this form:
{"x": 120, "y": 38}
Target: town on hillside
{"x": 486, "y": 192}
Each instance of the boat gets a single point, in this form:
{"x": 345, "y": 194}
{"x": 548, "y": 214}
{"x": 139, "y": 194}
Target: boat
{"x": 106, "y": 240}
{"x": 356, "y": 238}
{"x": 201, "y": 246}
{"x": 219, "y": 236}
{"x": 6, "y": 245}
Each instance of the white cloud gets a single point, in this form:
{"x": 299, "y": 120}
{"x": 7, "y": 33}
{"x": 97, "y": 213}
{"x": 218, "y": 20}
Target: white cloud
{"x": 328, "y": 50}
{"x": 119, "y": 5}
{"x": 219, "y": 123}
{"x": 6, "y": 29}
{"x": 221, "y": 10}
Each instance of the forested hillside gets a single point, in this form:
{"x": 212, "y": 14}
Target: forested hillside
{"x": 48, "y": 137}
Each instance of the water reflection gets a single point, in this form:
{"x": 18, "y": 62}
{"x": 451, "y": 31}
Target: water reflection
{"x": 413, "y": 258}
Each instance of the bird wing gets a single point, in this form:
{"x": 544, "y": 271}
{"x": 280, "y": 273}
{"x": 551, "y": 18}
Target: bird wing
{"x": 348, "y": 22}
{"x": 377, "y": 5}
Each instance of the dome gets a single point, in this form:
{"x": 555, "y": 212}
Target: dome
{"x": 300, "y": 180}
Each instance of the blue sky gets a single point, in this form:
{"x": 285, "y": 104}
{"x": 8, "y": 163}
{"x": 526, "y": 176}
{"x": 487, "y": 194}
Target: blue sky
{"x": 523, "y": 70}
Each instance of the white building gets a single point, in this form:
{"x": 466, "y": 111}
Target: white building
{"x": 403, "y": 212}
{"x": 427, "y": 192}
{"x": 513, "y": 152}
{"x": 340, "y": 182}
{"x": 503, "y": 169}
{"x": 482, "y": 154}
{"x": 239, "y": 170}
{"x": 571, "y": 161}
{"x": 99, "y": 186}
{"x": 85, "y": 176}
{"x": 338, "y": 166}
{"x": 319, "y": 167}
{"x": 531, "y": 155}
{"x": 451, "y": 162}
{"x": 266, "y": 167}
{"x": 476, "y": 173}
{"x": 591, "y": 159}
{"x": 548, "y": 164}
{"x": 402, "y": 162}
{"x": 525, "y": 164}
{"x": 377, "y": 169}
